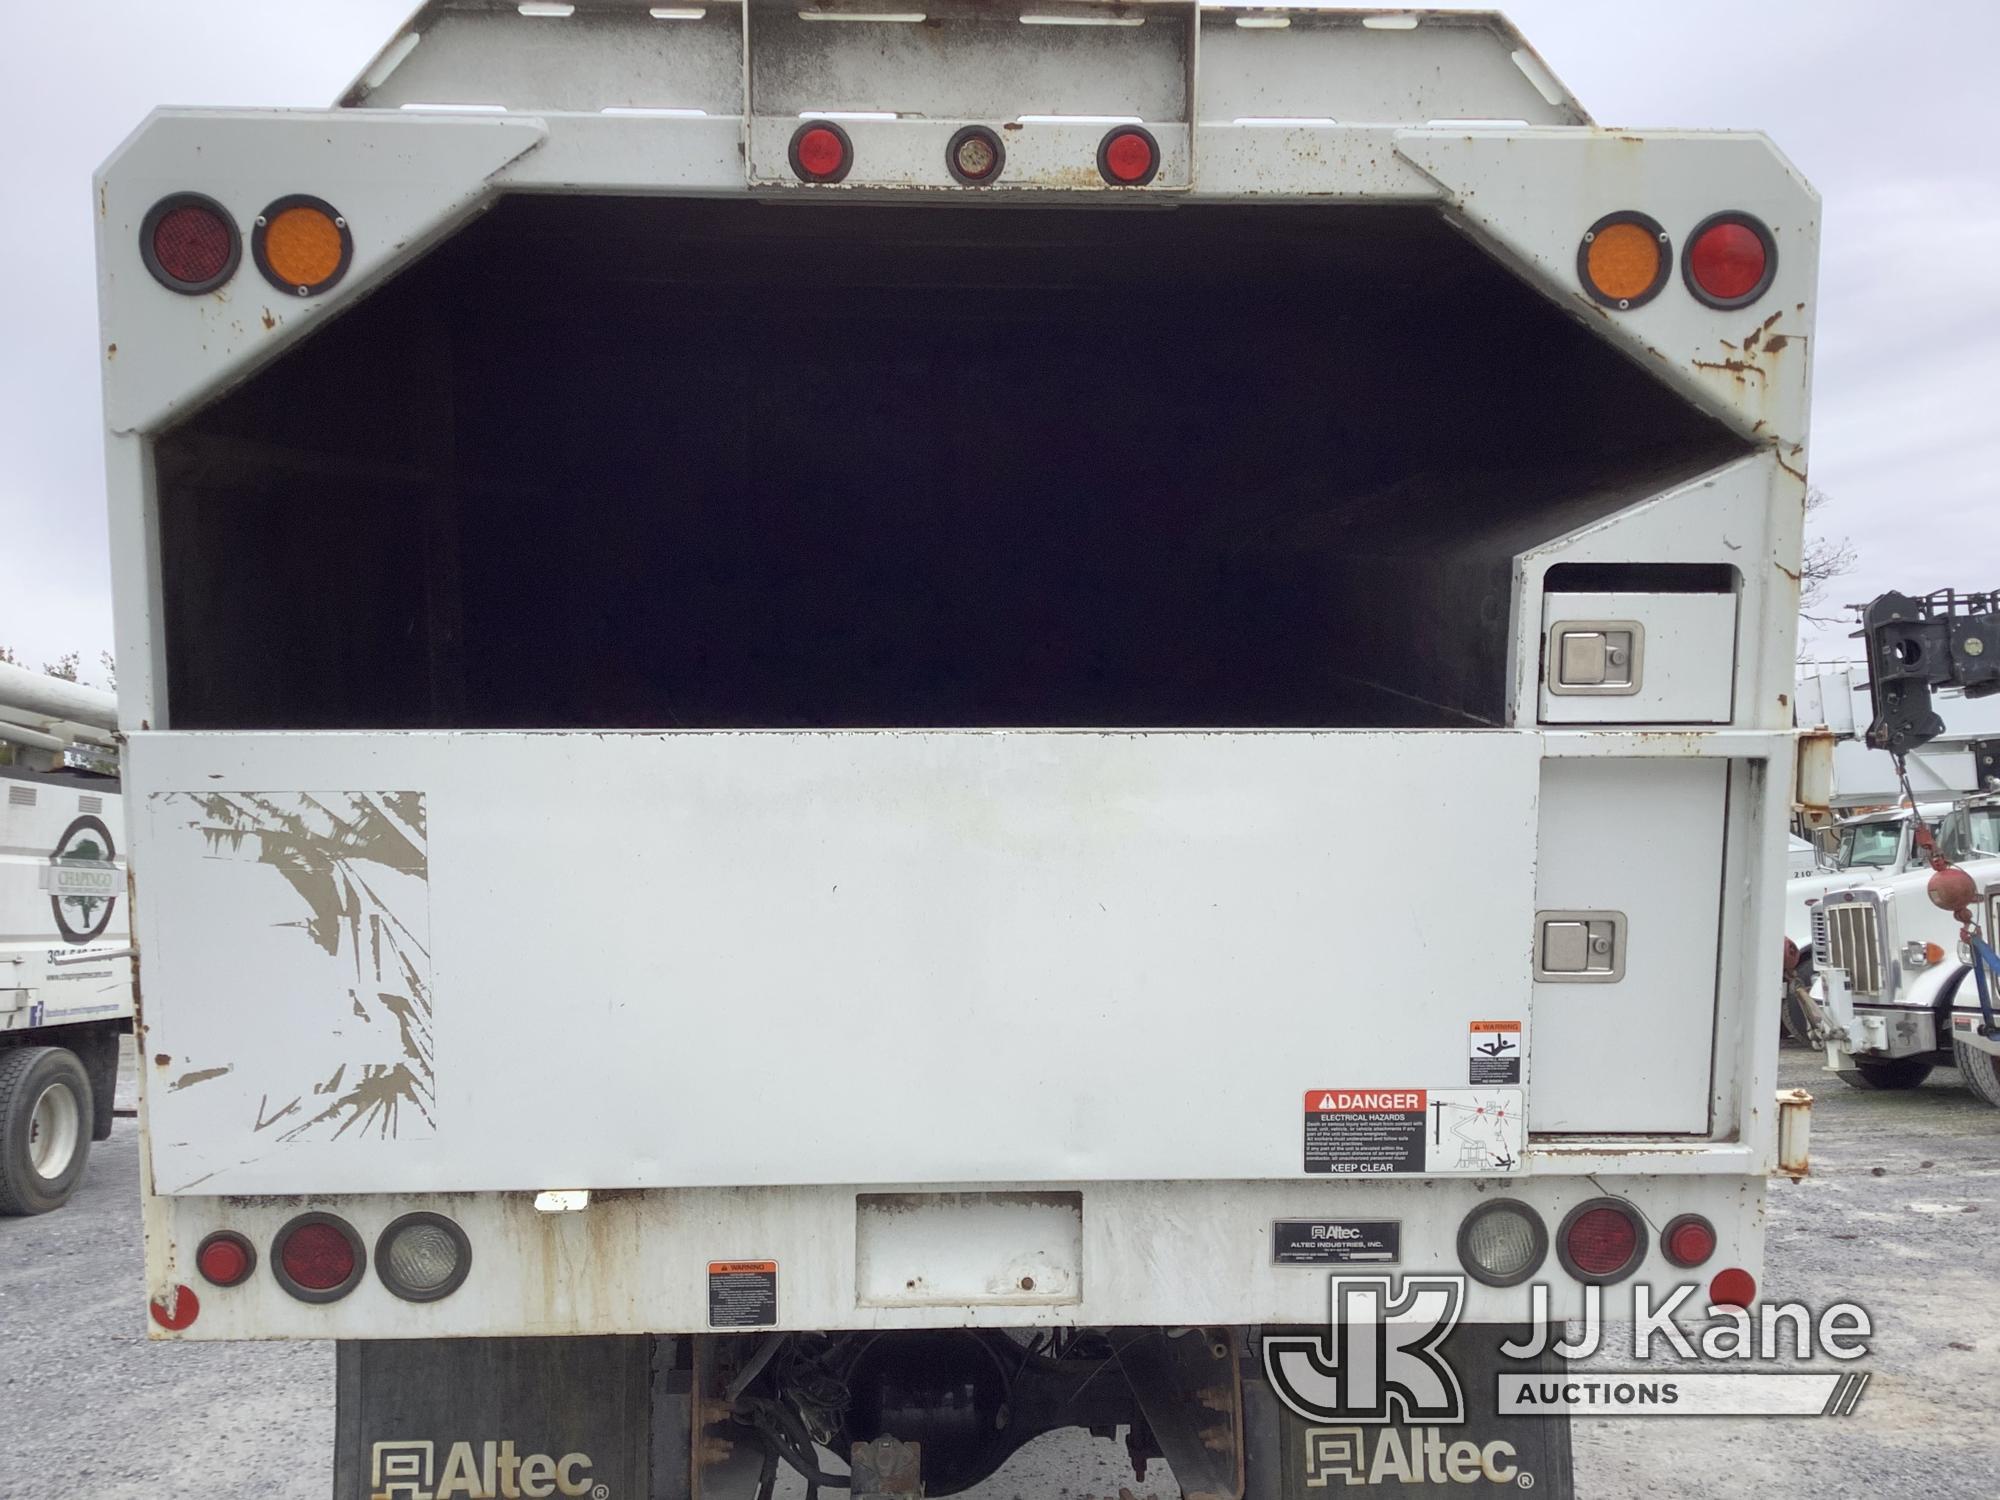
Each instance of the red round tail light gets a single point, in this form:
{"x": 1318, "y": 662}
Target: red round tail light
{"x": 1129, "y": 157}
{"x": 1688, "y": 1241}
{"x": 1730, "y": 260}
{"x": 225, "y": 1258}
{"x": 318, "y": 1257}
{"x": 821, "y": 151}
{"x": 189, "y": 243}
{"x": 1602, "y": 1240}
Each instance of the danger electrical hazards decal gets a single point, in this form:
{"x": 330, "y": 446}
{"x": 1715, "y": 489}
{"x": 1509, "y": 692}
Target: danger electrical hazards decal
{"x": 1366, "y": 1132}
{"x": 742, "y": 1293}
{"x": 1493, "y": 1050}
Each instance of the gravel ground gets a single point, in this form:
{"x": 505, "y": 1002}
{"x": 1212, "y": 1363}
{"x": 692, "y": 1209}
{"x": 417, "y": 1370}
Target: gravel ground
{"x": 1894, "y": 1217}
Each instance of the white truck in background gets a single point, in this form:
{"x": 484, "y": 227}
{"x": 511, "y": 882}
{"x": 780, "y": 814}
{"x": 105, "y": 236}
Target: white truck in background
{"x": 65, "y": 953}
{"x": 1908, "y": 977}
{"x": 1885, "y": 955}
{"x": 745, "y": 637}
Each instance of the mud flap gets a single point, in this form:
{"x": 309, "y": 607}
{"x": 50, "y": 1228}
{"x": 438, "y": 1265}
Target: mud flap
{"x": 604, "y": 1418}
{"x": 1291, "y": 1458}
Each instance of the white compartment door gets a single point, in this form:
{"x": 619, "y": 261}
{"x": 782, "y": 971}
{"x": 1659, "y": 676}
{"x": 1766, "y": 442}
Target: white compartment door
{"x": 1634, "y": 846}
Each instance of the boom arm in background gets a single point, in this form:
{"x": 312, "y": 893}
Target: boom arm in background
{"x": 1944, "y": 640}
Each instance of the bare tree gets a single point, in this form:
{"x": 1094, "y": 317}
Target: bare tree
{"x": 1826, "y": 558}
{"x": 64, "y": 666}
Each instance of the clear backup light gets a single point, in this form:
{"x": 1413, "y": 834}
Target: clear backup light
{"x": 422, "y": 1257}
{"x": 975, "y": 156}
{"x": 1502, "y": 1242}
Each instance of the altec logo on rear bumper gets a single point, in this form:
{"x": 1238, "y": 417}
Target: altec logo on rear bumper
{"x": 419, "y": 1469}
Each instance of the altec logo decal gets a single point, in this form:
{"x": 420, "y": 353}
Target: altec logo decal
{"x": 1419, "y": 1456}
{"x": 411, "y": 1469}
{"x": 1378, "y": 1361}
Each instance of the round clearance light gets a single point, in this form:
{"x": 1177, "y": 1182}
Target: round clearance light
{"x": 1734, "y": 1287}
{"x": 821, "y": 152}
{"x": 225, "y": 1258}
{"x": 302, "y": 245}
{"x": 1730, "y": 261}
{"x": 1602, "y": 1241}
{"x": 1688, "y": 1241}
{"x": 1623, "y": 260}
{"x": 177, "y": 1310}
{"x": 1502, "y": 1243}
{"x": 1129, "y": 157}
{"x": 318, "y": 1258}
{"x": 422, "y": 1257}
{"x": 189, "y": 243}
{"x": 975, "y": 156}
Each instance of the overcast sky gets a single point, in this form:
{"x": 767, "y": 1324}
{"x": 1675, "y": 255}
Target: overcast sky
{"x": 1887, "y": 109}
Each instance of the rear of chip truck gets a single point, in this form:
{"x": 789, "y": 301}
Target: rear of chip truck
{"x": 815, "y": 696}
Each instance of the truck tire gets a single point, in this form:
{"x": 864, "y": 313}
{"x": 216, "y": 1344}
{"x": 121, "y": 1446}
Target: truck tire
{"x": 1981, "y": 1070}
{"x": 45, "y": 1127}
{"x": 1886, "y": 1073}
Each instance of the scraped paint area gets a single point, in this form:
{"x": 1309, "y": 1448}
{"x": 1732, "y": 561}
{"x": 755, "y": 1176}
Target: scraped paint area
{"x": 323, "y": 900}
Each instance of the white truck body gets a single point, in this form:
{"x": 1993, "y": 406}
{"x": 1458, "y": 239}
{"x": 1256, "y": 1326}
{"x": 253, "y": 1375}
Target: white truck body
{"x": 948, "y": 1006}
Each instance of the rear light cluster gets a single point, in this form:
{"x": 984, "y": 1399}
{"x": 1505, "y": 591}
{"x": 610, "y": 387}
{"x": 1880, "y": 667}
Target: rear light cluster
{"x": 1600, "y": 1241}
{"x": 318, "y": 1257}
{"x": 190, "y": 243}
{"x": 1625, "y": 259}
{"x": 821, "y": 151}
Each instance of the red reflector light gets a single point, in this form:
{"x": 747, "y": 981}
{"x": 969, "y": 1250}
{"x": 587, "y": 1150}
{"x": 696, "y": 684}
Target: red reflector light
{"x": 1601, "y": 1241}
{"x": 319, "y": 1258}
{"x": 821, "y": 151}
{"x": 189, "y": 243}
{"x": 1129, "y": 157}
{"x": 1732, "y": 1288}
{"x": 177, "y": 1310}
{"x": 1730, "y": 260}
{"x": 225, "y": 1259}
{"x": 1688, "y": 1241}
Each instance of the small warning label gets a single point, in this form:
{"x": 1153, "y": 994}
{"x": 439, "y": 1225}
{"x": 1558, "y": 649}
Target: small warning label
{"x": 1494, "y": 1052}
{"x": 742, "y": 1293}
{"x": 1311, "y": 1242}
{"x": 1364, "y": 1131}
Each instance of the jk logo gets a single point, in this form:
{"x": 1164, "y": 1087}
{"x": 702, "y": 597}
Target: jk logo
{"x": 1378, "y": 1361}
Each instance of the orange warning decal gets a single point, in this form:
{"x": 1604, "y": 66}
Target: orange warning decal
{"x": 1494, "y": 1026}
{"x": 1362, "y": 1101}
{"x": 741, "y": 1267}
